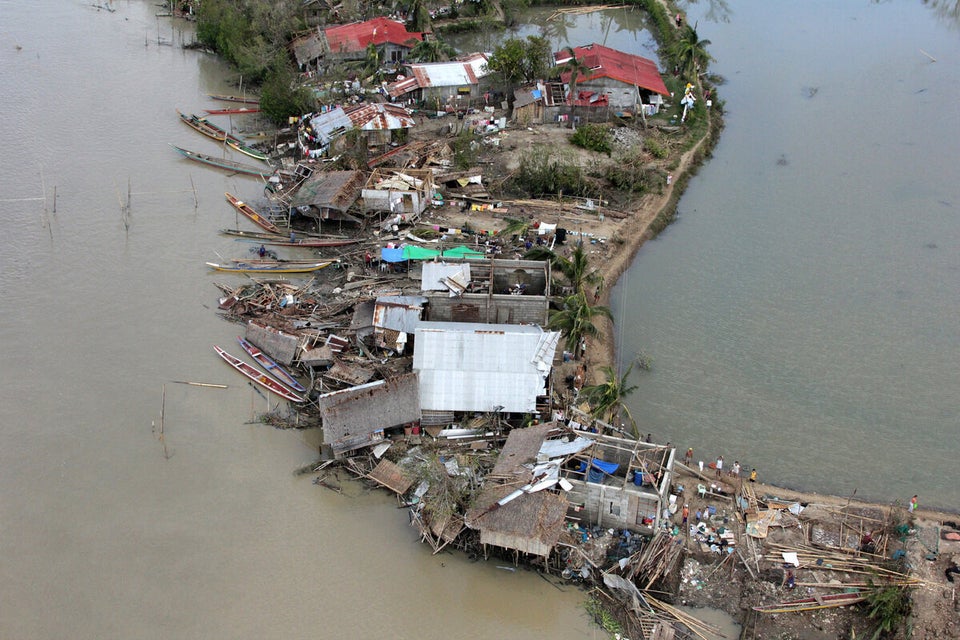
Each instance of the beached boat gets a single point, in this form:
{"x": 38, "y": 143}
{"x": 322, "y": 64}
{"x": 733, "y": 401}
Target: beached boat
{"x": 203, "y": 126}
{"x": 273, "y": 240}
{"x": 237, "y": 145}
{"x": 256, "y": 376}
{"x": 232, "y": 112}
{"x": 243, "y": 99}
{"x": 251, "y": 213}
{"x": 270, "y": 366}
{"x": 263, "y": 267}
{"x": 223, "y": 163}
{"x": 814, "y": 603}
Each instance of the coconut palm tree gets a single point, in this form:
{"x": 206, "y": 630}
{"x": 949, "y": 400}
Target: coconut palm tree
{"x": 607, "y": 398}
{"x": 576, "y": 319}
{"x": 690, "y": 53}
{"x": 576, "y": 268}
{"x": 432, "y": 50}
{"x": 575, "y": 68}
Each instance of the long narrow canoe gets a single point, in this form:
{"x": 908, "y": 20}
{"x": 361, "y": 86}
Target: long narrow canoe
{"x": 279, "y": 267}
{"x": 242, "y": 99}
{"x": 270, "y": 366}
{"x": 251, "y": 213}
{"x": 232, "y": 112}
{"x": 816, "y": 602}
{"x": 223, "y": 163}
{"x": 203, "y": 126}
{"x": 237, "y": 145}
{"x": 274, "y": 240}
{"x": 261, "y": 379}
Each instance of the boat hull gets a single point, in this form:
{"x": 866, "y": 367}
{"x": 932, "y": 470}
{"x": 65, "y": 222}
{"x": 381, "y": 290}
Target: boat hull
{"x": 271, "y": 366}
{"x": 254, "y": 374}
{"x": 251, "y": 214}
{"x": 244, "y": 267}
{"x": 222, "y": 163}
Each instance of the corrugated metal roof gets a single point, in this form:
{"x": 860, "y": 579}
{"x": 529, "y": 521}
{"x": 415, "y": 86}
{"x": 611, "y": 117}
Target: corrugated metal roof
{"x": 400, "y": 313}
{"x": 330, "y": 189}
{"x": 479, "y": 367}
{"x": 366, "y": 117}
{"x": 308, "y": 48}
{"x": 605, "y": 62}
{"x": 354, "y": 38}
{"x": 465, "y": 71}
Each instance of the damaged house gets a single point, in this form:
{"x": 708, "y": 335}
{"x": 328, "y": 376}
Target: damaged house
{"x": 466, "y": 367}
{"x": 376, "y": 121}
{"x": 357, "y": 417}
{"x": 328, "y": 195}
{"x": 615, "y": 79}
{"x": 439, "y": 83}
{"x": 494, "y": 290}
{"x": 405, "y": 193}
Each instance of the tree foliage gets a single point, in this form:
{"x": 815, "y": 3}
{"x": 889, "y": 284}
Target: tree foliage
{"x": 575, "y": 68}
{"x": 521, "y": 60}
{"x": 433, "y": 50}
{"x": 690, "y": 53}
{"x": 607, "y": 398}
{"x": 576, "y": 320}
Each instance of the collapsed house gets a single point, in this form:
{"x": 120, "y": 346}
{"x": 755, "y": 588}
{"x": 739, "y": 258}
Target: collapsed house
{"x": 328, "y": 195}
{"x": 404, "y": 193}
{"x": 357, "y": 417}
{"x": 496, "y": 291}
{"x": 375, "y": 121}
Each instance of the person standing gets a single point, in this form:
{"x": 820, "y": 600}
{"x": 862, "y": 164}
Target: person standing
{"x": 686, "y": 514}
{"x": 719, "y": 466}
{"x": 753, "y": 475}
{"x": 913, "y": 504}
{"x": 735, "y": 470}
{"x": 701, "y": 468}
{"x": 688, "y": 456}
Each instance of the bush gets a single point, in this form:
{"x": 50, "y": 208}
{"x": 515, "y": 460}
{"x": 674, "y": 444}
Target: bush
{"x": 594, "y": 137}
{"x": 543, "y": 172}
{"x": 655, "y": 149}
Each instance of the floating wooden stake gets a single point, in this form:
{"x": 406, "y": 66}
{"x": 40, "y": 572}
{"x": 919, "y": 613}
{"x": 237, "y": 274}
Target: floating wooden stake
{"x": 202, "y": 384}
{"x": 932, "y": 59}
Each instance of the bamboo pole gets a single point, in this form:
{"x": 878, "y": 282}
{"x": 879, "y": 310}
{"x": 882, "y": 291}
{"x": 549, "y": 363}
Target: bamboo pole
{"x": 202, "y": 384}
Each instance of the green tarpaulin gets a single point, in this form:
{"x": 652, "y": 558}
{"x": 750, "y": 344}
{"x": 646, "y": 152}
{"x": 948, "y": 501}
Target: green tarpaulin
{"x": 463, "y": 252}
{"x": 411, "y": 252}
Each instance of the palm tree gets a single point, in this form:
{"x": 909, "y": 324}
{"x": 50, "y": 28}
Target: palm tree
{"x": 607, "y": 398}
{"x": 575, "y": 68}
{"x": 690, "y": 53}
{"x": 577, "y": 269}
{"x": 575, "y": 321}
{"x": 432, "y": 51}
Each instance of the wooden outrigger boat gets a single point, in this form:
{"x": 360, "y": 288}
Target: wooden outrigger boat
{"x": 814, "y": 603}
{"x": 223, "y": 163}
{"x": 203, "y": 126}
{"x": 270, "y": 366}
{"x": 264, "y": 267}
{"x": 282, "y": 241}
{"x": 251, "y": 213}
{"x": 232, "y": 112}
{"x": 243, "y": 99}
{"x": 261, "y": 379}
{"x": 237, "y": 145}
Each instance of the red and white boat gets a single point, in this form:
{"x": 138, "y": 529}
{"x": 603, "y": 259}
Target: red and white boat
{"x": 258, "y": 377}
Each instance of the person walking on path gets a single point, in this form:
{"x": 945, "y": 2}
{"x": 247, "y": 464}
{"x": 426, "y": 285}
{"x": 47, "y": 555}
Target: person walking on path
{"x": 686, "y": 514}
{"x": 719, "y": 466}
{"x": 913, "y": 504}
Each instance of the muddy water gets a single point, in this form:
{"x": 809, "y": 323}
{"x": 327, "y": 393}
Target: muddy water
{"x": 101, "y": 535}
{"x": 801, "y": 314}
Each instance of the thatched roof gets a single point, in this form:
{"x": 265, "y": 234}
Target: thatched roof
{"x": 370, "y": 407}
{"x": 279, "y": 346}
{"x": 520, "y": 448}
{"x": 531, "y": 523}
{"x": 391, "y": 476}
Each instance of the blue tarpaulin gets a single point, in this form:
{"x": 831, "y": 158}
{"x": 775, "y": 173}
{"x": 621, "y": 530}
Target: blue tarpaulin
{"x": 392, "y": 255}
{"x": 598, "y": 468}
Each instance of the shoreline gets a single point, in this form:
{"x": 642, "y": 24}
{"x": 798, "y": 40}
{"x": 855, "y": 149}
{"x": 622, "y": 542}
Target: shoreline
{"x": 634, "y": 234}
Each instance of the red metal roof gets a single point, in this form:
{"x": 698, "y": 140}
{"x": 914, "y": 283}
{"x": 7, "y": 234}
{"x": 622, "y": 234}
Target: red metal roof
{"x": 352, "y": 38}
{"x": 610, "y": 63}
